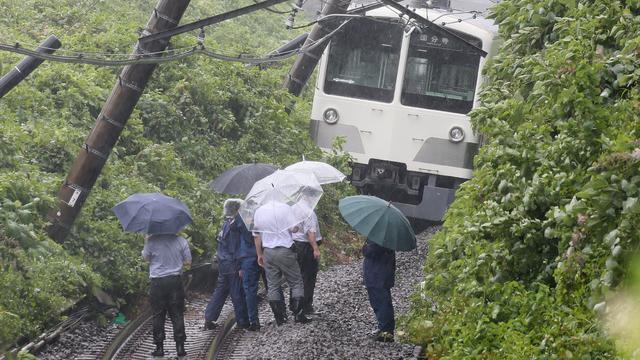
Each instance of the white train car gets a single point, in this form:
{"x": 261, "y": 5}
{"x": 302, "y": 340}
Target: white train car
{"x": 399, "y": 95}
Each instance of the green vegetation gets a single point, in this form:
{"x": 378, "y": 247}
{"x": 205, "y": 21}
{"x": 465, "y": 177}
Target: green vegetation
{"x": 196, "y": 118}
{"x": 536, "y": 242}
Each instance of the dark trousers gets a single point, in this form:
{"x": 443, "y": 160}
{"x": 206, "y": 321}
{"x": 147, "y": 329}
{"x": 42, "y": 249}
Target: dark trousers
{"x": 167, "y": 295}
{"x": 308, "y": 269}
{"x": 380, "y": 300}
{"x": 227, "y": 284}
{"x": 250, "y": 277}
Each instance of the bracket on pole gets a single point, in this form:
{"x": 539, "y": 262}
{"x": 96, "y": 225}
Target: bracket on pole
{"x": 209, "y": 21}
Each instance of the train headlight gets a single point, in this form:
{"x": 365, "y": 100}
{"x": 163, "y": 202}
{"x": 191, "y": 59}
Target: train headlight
{"x": 331, "y": 116}
{"x": 456, "y": 134}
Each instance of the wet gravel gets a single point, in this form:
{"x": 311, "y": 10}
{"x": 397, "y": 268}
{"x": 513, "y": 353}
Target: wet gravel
{"x": 341, "y": 329}
{"x": 80, "y": 342}
{"x": 345, "y": 321}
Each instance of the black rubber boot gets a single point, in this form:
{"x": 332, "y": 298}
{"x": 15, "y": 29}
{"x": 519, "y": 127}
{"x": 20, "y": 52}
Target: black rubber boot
{"x": 298, "y": 311}
{"x": 383, "y": 336}
{"x": 180, "y": 349}
{"x": 308, "y": 309}
{"x": 210, "y": 325}
{"x": 279, "y": 311}
{"x": 159, "y": 351}
{"x": 291, "y": 307}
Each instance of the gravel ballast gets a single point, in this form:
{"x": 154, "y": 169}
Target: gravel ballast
{"x": 345, "y": 321}
{"x": 341, "y": 329}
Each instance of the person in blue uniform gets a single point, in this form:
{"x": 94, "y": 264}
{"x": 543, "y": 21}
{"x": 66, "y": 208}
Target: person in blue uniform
{"x": 249, "y": 272}
{"x": 229, "y": 272}
{"x": 379, "y": 272}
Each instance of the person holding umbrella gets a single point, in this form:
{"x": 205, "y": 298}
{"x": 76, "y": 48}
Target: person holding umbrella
{"x": 161, "y": 217}
{"x": 307, "y": 240}
{"x": 387, "y": 230}
{"x": 229, "y": 282}
{"x": 275, "y": 253}
{"x": 379, "y": 272}
{"x": 239, "y": 180}
{"x": 268, "y": 210}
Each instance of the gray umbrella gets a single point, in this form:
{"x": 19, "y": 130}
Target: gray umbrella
{"x": 152, "y": 213}
{"x": 240, "y": 179}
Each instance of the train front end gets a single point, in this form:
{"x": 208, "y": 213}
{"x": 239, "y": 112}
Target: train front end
{"x": 399, "y": 96}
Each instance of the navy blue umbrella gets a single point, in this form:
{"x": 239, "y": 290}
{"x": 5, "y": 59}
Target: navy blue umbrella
{"x": 152, "y": 213}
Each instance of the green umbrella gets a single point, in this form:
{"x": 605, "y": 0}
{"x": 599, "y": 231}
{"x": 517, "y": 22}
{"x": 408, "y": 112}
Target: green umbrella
{"x": 379, "y": 221}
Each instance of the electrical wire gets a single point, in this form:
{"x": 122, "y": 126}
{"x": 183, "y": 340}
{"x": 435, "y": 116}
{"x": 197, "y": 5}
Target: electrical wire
{"x": 454, "y": 13}
{"x": 168, "y": 55}
{"x": 174, "y": 54}
{"x": 281, "y": 12}
{"x": 138, "y": 59}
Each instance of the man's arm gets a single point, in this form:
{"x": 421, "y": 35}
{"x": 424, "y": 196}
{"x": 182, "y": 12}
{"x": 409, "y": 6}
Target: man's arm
{"x": 146, "y": 254}
{"x": 311, "y": 235}
{"x": 258, "y": 241}
{"x": 186, "y": 255}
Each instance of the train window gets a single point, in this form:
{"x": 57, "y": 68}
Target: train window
{"x": 363, "y": 60}
{"x": 440, "y": 74}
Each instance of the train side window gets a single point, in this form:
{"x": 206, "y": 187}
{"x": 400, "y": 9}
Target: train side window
{"x": 440, "y": 74}
{"x": 363, "y": 60}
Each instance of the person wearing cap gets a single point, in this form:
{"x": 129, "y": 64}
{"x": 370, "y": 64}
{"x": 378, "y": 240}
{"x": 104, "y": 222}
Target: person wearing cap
{"x": 229, "y": 272}
{"x": 307, "y": 240}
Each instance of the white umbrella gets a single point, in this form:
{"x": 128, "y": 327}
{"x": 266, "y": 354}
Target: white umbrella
{"x": 325, "y": 173}
{"x": 274, "y": 217}
{"x": 290, "y": 188}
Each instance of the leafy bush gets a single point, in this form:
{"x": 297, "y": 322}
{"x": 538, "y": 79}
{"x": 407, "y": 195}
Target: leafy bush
{"x": 196, "y": 118}
{"x": 544, "y": 231}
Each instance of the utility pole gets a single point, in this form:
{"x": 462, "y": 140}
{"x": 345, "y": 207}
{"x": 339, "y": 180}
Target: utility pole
{"x": 26, "y": 66}
{"x": 307, "y": 61}
{"x": 111, "y": 120}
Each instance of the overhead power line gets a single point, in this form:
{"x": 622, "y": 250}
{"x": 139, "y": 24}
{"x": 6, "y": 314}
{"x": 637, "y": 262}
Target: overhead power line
{"x": 157, "y": 58}
{"x": 81, "y": 58}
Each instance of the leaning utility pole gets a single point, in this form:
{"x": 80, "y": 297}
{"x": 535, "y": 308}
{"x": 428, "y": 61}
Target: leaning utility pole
{"x": 111, "y": 120}
{"x": 26, "y": 66}
{"x": 307, "y": 60}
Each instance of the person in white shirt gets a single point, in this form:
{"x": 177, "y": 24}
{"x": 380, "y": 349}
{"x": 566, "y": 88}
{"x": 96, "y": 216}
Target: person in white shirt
{"x": 307, "y": 240}
{"x": 276, "y": 255}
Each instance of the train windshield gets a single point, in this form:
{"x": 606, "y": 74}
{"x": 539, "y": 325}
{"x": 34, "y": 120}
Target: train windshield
{"x": 363, "y": 60}
{"x": 440, "y": 73}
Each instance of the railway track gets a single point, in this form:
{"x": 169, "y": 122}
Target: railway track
{"x": 136, "y": 341}
{"x": 226, "y": 341}
{"x": 235, "y": 343}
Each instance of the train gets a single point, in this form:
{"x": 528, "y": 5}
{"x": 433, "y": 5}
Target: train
{"x": 398, "y": 93}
